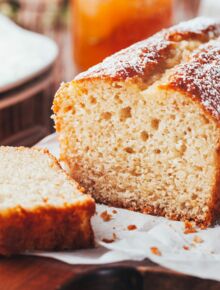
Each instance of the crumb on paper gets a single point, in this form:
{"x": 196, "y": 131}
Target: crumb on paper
{"x": 155, "y": 251}
{"x": 198, "y": 240}
{"x": 186, "y": 248}
{"x": 190, "y": 231}
{"x": 109, "y": 241}
{"x": 114, "y": 236}
{"x": 189, "y": 228}
{"x": 106, "y": 217}
{"x": 114, "y": 211}
{"x": 203, "y": 227}
{"x": 131, "y": 227}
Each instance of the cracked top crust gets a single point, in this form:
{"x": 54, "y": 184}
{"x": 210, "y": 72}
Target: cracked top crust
{"x": 200, "y": 77}
{"x": 144, "y": 57}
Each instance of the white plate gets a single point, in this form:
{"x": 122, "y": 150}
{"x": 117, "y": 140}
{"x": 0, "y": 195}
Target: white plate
{"x": 23, "y": 54}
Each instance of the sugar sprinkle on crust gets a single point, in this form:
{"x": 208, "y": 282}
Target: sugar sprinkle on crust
{"x": 144, "y": 56}
{"x": 200, "y": 77}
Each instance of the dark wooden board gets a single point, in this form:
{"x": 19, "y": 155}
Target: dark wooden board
{"x": 34, "y": 273}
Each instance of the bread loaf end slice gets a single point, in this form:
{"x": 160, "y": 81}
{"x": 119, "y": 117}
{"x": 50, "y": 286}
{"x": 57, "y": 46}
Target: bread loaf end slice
{"x": 41, "y": 207}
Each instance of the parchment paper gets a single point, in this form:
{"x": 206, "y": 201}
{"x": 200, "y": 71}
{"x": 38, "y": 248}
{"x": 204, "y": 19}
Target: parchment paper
{"x": 197, "y": 254}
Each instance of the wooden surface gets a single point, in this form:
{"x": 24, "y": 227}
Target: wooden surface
{"x": 27, "y": 273}
{"x": 32, "y": 273}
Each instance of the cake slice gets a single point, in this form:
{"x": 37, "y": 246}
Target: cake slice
{"x": 141, "y": 130}
{"x": 41, "y": 207}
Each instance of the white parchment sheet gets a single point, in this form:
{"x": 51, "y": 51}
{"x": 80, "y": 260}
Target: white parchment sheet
{"x": 197, "y": 254}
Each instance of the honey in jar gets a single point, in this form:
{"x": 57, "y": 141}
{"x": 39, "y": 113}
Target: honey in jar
{"x": 102, "y": 27}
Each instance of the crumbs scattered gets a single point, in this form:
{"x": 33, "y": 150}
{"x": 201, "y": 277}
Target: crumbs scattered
{"x": 186, "y": 248}
{"x": 114, "y": 236}
{"x": 190, "y": 231}
{"x": 131, "y": 227}
{"x": 189, "y": 228}
{"x": 197, "y": 240}
{"x": 114, "y": 211}
{"x": 109, "y": 241}
{"x": 155, "y": 251}
{"x": 106, "y": 217}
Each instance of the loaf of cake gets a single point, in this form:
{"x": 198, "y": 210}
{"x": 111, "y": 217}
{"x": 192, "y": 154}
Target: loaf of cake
{"x": 41, "y": 207}
{"x": 141, "y": 129}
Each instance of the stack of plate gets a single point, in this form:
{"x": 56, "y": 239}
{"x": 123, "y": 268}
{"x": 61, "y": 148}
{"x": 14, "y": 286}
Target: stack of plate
{"x": 26, "y": 61}
{"x": 23, "y": 54}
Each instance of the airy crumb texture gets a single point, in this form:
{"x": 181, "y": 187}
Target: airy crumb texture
{"x": 141, "y": 130}
{"x": 41, "y": 207}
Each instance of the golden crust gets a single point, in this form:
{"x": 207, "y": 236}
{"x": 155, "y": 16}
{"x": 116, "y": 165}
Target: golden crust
{"x": 156, "y": 211}
{"x": 143, "y": 58}
{"x": 47, "y": 227}
{"x": 214, "y": 206}
{"x": 200, "y": 78}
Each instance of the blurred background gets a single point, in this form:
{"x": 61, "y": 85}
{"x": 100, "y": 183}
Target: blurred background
{"x": 84, "y": 31}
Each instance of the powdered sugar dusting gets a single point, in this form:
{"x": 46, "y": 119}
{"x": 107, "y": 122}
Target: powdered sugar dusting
{"x": 198, "y": 26}
{"x": 142, "y": 58}
{"x": 131, "y": 61}
{"x": 201, "y": 76}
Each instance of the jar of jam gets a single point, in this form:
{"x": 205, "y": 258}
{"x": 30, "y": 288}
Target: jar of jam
{"x": 102, "y": 27}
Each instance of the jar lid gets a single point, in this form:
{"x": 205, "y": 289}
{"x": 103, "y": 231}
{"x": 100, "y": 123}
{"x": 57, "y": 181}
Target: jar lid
{"x": 23, "y": 54}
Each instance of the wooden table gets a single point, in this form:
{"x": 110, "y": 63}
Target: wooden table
{"x": 34, "y": 273}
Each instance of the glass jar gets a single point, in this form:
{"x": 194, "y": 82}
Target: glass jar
{"x": 102, "y": 27}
